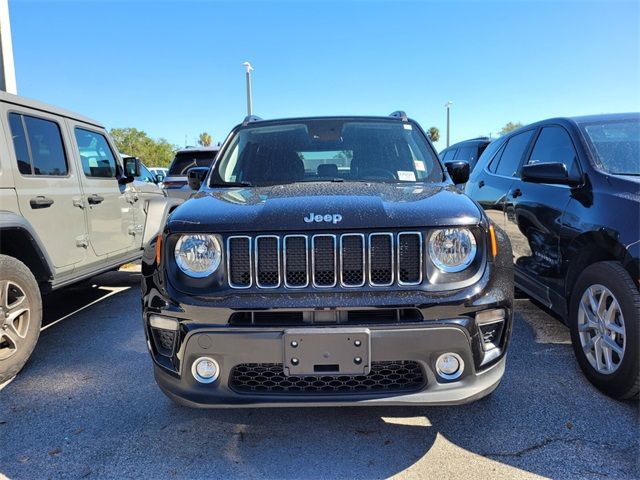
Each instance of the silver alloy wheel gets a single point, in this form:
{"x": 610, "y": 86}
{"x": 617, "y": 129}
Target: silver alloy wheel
{"x": 601, "y": 329}
{"x": 15, "y": 314}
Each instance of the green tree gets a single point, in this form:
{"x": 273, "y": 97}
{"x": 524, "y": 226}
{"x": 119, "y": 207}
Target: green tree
{"x": 205, "y": 139}
{"x": 510, "y": 126}
{"x": 434, "y": 134}
{"x": 153, "y": 153}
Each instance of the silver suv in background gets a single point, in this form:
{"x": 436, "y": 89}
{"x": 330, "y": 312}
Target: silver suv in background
{"x": 69, "y": 209}
{"x": 176, "y": 182}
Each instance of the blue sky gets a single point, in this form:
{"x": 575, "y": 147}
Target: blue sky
{"x": 173, "y": 68}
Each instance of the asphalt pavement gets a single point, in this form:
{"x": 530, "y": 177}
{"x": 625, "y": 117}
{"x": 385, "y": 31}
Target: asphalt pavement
{"x": 86, "y": 406}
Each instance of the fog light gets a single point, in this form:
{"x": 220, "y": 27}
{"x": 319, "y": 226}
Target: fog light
{"x": 205, "y": 370}
{"x": 449, "y": 366}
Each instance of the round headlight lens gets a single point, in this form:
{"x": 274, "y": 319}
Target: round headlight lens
{"x": 452, "y": 249}
{"x": 198, "y": 255}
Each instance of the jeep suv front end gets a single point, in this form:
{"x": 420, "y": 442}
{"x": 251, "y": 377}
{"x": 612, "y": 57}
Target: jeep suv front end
{"x": 328, "y": 261}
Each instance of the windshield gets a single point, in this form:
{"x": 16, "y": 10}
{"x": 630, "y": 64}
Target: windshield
{"x": 616, "y": 145}
{"x": 183, "y": 161}
{"x": 328, "y": 150}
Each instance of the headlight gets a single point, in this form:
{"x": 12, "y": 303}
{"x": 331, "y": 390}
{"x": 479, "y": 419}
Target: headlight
{"x": 198, "y": 255}
{"x": 452, "y": 249}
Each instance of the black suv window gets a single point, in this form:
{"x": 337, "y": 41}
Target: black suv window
{"x": 466, "y": 153}
{"x": 512, "y": 154}
{"x": 183, "y": 161}
{"x": 96, "y": 155}
{"x": 39, "y": 151}
{"x": 554, "y": 145}
{"x": 448, "y": 155}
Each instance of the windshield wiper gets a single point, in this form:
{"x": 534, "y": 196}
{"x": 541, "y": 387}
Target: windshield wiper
{"x": 321, "y": 180}
{"x": 233, "y": 184}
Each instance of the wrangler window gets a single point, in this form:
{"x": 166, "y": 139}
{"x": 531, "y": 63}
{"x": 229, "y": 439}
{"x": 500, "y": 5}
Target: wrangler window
{"x": 38, "y": 146}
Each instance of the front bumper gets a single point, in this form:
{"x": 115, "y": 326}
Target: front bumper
{"x": 448, "y": 323}
{"x": 419, "y": 344}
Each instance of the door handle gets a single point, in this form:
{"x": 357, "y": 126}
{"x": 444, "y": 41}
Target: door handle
{"x": 481, "y": 184}
{"x": 516, "y": 193}
{"x": 94, "y": 199}
{"x": 40, "y": 202}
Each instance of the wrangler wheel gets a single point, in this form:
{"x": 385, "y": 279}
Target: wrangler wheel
{"x": 20, "y": 316}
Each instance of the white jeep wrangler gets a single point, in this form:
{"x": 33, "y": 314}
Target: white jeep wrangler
{"x": 69, "y": 209}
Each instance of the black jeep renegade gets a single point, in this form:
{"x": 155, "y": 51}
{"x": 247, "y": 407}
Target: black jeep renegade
{"x": 328, "y": 261}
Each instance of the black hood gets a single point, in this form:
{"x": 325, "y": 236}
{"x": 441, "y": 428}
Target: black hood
{"x": 350, "y": 206}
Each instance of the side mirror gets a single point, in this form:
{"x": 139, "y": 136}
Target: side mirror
{"x": 159, "y": 178}
{"x": 458, "y": 170}
{"x": 548, "y": 172}
{"x": 195, "y": 177}
{"x": 131, "y": 167}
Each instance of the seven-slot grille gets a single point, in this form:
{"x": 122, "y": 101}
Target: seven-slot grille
{"x": 325, "y": 260}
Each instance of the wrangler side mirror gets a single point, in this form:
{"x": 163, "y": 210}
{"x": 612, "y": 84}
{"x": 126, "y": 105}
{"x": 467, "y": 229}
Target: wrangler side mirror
{"x": 131, "y": 167}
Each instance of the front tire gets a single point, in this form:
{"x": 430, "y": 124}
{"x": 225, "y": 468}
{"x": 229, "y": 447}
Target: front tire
{"x": 605, "y": 329}
{"x": 20, "y": 316}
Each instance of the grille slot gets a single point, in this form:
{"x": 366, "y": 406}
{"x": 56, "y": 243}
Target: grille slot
{"x": 381, "y": 259}
{"x": 409, "y": 258}
{"x": 352, "y": 260}
{"x": 268, "y": 261}
{"x": 239, "y": 261}
{"x": 324, "y": 260}
{"x": 269, "y": 379}
{"x": 283, "y": 318}
{"x": 296, "y": 261}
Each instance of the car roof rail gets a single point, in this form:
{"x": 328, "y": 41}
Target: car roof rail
{"x": 399, "y": 114}
{"x": 249, "y": 119}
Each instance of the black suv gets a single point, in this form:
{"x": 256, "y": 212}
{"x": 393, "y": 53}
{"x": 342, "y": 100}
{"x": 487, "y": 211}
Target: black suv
{"x": 328, "y": 261}
{"x": 468, "y": 151}
{"x": 567, "y": 192}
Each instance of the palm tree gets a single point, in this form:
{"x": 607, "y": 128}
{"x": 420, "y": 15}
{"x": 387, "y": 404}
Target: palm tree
{"x": 205, "y": 139}
{"x": 434, "y": 134}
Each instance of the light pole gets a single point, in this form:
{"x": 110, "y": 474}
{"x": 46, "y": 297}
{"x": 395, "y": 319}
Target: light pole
{"x": 7, "y": 69}
{"x": 248, "y": 68}
{"x": 448, "y": 107}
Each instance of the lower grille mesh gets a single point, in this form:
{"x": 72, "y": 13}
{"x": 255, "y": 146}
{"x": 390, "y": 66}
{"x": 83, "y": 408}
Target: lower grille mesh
{"x": 269, "y": 379}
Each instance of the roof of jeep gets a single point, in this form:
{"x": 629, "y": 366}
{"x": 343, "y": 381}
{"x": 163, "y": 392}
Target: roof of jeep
{"x": 260, "y": 121}
{"x": 43, "y": 107}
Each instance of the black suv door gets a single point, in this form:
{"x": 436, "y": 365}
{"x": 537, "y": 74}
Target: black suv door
{"x": 495, "y": 182}
{"x": 534, "y": 216}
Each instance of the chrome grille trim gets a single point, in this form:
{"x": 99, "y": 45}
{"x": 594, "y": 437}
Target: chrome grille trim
{"x": 279, "y": 266}
{"x": 364, "y": 257}
{"x": 313, "y": 260}
{"x": 337, "y": 242}
{"x": 228, "y": 255}
{"x": 306, "y": 256}
{"x": 421, "y": 260}
{"x": 391, "y": 259}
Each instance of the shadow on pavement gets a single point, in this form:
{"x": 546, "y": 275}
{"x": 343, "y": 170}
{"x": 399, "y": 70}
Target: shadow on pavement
{"x": 87, "y": 406}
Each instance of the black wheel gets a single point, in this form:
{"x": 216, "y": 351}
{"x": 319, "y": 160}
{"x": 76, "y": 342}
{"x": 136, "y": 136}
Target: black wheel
{"x": 20, "y": 316}
{"x": 605, "y": 329}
